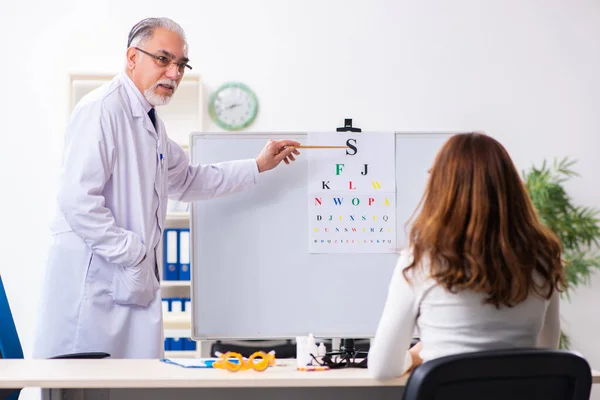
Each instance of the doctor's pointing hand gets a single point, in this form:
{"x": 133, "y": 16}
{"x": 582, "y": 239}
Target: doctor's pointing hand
{"x": 274, "y": 152}
{"x": 101, "y": 290}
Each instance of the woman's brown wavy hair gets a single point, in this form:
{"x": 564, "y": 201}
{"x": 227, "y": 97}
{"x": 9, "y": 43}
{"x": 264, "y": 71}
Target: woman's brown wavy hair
{"x": 479, "y": 229}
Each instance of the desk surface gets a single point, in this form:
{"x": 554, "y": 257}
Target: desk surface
{"x": 120, "y": 373}
{"x": 115, "y": 373}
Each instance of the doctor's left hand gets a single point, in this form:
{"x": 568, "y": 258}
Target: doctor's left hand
{"x": 276, "y": 151}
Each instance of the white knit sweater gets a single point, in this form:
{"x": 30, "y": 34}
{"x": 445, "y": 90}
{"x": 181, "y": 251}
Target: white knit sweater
{"x": 453, "y": 323}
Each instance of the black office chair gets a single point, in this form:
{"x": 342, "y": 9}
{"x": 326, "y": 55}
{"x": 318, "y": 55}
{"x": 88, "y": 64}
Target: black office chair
{"x": 502, "y": 374}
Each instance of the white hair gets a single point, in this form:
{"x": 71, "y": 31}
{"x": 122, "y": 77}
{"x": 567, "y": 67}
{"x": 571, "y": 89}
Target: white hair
{"x": 143, "y": 30}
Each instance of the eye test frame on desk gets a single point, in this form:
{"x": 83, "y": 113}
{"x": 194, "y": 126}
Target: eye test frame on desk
{"x": 348, "y": 356}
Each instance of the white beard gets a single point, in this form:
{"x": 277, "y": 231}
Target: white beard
{"x": 154, "y": 98}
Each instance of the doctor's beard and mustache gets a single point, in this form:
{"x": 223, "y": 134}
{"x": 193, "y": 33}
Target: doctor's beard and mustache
{"x": 157, "y": 100}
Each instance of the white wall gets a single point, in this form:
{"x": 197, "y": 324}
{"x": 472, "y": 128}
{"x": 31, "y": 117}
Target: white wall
{"x": 525, "y": 71}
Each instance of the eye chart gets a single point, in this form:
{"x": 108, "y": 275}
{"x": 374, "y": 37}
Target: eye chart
{"x": 352, "y": 193}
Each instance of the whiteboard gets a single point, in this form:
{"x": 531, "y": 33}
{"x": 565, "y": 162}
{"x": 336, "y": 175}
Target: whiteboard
{"x": 252, "y": 275}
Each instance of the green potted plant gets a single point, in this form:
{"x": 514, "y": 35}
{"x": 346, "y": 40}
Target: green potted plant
{"x": 577, "y": 227}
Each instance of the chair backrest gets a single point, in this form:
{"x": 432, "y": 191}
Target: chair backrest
{"x": 10, "y": 346}
{"x": 503, "y": 374}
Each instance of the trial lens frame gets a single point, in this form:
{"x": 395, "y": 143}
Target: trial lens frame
{"x": 345, "y": 358}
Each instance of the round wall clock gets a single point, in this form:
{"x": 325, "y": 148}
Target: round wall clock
{"x": 233, "y": 106}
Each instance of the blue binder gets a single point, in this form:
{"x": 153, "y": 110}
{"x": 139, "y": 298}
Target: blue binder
{"x": 184, "y": 254}
{"x": 189, "y": 344}
{"x": 177, "y": 344}
{"x": 171, "y": 255}
{"x": 176, "y": 304}
{"x": 166, "y": 304}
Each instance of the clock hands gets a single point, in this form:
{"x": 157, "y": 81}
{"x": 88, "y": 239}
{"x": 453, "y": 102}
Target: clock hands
{"x": 233, "y": 106}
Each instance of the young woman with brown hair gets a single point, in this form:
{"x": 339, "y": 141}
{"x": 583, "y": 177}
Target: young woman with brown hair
{"x": 481, "y": 271}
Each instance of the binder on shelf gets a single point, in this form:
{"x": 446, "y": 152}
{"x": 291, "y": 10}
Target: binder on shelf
{"x": 177, "y": 344}
{"x": 184, "y": 254}
{"x": 166, "y": 305}
{"x": 180, "y": 344}
{"x": 176, "y": 304}
{"x": 189, "y": 344}
{"x": 187, "y": 305}
{"x": 171, "y": 255}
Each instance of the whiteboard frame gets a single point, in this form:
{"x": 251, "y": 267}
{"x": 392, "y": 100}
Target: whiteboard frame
{"x": 276, "y": 136}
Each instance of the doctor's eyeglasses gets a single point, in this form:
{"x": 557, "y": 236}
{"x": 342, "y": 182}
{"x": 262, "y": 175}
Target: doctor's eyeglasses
{"x": 165, "y": 62}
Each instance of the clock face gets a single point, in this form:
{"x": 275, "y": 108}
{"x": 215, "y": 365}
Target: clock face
{"x": 233, "y": 106}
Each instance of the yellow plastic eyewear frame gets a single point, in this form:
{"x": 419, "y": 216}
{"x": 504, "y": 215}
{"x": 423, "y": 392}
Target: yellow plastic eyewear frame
{"x": 232, "y": 361}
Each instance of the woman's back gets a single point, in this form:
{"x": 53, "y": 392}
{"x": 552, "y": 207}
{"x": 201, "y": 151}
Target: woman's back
{"x": 453, "y": 323}
{"x": 482, "y": 271}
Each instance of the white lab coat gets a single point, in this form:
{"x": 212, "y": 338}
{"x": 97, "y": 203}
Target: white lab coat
{"x": 111, "y": 213}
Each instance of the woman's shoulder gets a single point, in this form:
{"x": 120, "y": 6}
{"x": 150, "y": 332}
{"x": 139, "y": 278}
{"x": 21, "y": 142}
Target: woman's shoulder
{"x": 419, "y": 271}
{"x": 406, "y": 253}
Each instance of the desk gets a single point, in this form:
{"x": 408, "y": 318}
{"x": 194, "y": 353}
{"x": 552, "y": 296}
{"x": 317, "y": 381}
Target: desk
{"x": 151, "y": 379}
{"x": 116, "y": 379}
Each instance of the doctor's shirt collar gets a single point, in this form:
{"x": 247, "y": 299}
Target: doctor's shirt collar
{"x": 132, "y": 90}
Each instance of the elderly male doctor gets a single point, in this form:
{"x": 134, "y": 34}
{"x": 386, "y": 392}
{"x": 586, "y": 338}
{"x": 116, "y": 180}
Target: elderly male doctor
{"x": 101, "y": 292}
